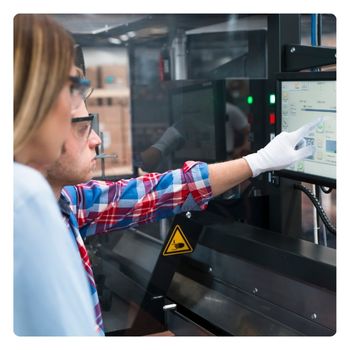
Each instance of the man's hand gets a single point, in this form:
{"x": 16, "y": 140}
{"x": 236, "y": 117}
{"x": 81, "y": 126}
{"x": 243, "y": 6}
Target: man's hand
{"x": 284, "y": 150}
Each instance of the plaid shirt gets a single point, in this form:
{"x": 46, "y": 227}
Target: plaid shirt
{"x": 101, "y": 206}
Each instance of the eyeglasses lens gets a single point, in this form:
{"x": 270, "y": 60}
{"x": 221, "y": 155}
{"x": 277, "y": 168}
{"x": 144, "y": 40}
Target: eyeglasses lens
{"x": 82, "y": 127}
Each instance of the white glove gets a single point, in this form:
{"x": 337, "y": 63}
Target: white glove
{"x": 284, "y": 150}
{"x": 169, "y": 141}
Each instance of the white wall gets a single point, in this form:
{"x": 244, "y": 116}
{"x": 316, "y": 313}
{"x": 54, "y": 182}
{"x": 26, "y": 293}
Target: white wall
{"x": 105, "y": 56}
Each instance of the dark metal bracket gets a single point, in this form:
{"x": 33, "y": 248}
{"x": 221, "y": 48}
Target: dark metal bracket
{"x": 299, "y": 57}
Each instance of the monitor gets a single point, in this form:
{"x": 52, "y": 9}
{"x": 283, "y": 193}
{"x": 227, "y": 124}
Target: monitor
{"x": 301, "y": 98}
{"x": 198, "y": 112}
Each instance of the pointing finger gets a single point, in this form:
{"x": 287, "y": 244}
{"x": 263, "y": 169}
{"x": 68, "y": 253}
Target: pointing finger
{"x": 305, "y": 130}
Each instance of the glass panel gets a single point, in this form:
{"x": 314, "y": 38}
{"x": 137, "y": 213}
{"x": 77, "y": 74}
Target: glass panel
{"x": 169, "y": 88}
{"x": 223, "y": 55}
{"x": 328, "y": 31}
{"x": 195, "y": 119}
{"x": 108, "y": 70}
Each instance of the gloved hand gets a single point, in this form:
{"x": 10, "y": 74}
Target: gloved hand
{"x": 285, "y": 149}
{"x": 169, "y": 141}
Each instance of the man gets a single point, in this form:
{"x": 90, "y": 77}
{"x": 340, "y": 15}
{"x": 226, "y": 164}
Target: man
{"x": 96, "y": 207}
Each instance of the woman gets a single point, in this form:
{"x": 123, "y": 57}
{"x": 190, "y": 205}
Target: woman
{"x": 51, "y": 295}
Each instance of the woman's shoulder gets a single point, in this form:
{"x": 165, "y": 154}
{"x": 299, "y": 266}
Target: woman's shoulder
{"x": 21, "y": 170}
{"x": 28, "y": 183}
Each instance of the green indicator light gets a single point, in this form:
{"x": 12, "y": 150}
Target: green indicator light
{"x": 250, "y": 100}
{"x": 272, "y": 99}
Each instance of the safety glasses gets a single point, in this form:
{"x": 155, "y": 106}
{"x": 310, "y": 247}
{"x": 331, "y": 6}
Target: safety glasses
{"x": 82, "y": 127}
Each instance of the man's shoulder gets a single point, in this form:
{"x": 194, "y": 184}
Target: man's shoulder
{"x": 87, "y": 186}
{"x": 70, "y": 193}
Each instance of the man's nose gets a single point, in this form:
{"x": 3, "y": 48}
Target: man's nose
{"x": 94, "y": 139}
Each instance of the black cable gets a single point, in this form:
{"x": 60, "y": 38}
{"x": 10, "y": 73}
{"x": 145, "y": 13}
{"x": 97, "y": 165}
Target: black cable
{"x": 318, "y": 207}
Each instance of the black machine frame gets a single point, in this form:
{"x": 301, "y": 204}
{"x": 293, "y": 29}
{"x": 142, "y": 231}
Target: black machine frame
{"x": 301, "y": 76}
{"x": 268, "y": 262}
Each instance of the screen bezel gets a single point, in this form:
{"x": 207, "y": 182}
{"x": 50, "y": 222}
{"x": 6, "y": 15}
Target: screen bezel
{"x": 301, "y": 76}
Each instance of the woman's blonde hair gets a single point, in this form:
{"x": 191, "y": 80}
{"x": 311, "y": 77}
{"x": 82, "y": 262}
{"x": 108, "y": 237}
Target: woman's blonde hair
{"x": 43, "y": 57}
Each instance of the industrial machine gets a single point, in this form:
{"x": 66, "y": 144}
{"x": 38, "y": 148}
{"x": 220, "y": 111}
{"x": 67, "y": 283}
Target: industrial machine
{"x": 246, "y": 265}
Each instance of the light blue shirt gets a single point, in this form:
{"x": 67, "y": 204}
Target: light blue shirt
{"x": 51, "y": 292}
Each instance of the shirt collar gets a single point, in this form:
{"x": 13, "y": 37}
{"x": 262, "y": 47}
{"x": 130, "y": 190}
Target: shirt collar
{"x": 63, "y": 203}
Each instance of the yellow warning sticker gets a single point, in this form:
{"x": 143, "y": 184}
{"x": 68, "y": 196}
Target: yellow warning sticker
{"x": 178, "y": 243}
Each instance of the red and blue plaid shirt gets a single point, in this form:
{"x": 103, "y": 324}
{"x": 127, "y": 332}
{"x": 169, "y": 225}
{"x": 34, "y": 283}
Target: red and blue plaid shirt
{"x": 101, "y": 206}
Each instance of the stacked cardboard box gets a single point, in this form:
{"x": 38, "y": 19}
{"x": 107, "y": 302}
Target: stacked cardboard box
{"x": 111, "y": 102}
{"x": 108, "y": 76}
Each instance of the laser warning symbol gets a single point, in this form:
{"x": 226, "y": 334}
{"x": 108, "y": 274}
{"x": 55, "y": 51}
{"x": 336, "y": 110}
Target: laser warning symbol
{"x": 178, "y": 243}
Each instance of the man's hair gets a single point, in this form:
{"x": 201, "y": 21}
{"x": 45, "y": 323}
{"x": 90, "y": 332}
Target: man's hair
{"x": 43, "y": 57}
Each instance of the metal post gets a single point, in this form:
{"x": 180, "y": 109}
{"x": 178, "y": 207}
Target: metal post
{"x": 178, "y": 45}
{"x": 284, "y": 201}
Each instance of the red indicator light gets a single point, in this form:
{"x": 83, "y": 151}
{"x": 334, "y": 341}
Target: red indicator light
{"x": 272, "y": 118}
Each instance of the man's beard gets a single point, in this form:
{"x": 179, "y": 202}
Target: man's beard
{"x": 50, "y": 173}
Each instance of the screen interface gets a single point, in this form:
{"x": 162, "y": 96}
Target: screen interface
{"x": 302, "y": 102}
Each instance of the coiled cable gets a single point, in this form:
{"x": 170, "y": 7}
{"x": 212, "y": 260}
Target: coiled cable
{"x": 318, "y": 207}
